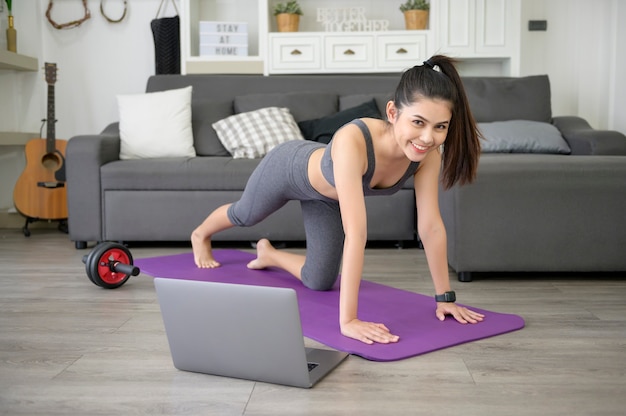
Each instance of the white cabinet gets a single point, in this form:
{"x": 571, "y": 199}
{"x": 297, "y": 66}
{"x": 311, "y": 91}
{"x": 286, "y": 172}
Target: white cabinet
{"x": 476, "y": 31}
{"x": 480, "y": 29}
{"x": 346, "y": 52}
{"x": 306, "y": 51}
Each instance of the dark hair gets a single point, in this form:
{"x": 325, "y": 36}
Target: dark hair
{"x": 462, "y": 146}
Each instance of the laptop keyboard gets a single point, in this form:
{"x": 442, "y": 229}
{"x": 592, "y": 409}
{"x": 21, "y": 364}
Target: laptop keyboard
{"x": 312, "y": 366}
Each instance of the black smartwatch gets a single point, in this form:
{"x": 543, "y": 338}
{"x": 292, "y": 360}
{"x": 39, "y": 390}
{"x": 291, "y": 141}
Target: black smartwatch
{"x": 446, "y": 297}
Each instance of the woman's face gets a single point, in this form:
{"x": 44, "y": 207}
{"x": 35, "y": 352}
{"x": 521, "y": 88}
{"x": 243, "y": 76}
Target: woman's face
{"x": 420, "y": 127}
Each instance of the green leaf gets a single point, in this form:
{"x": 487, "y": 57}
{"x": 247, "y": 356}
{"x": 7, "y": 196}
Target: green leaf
{"x": 415, "y": 5}
{"x": 291, "y": 7}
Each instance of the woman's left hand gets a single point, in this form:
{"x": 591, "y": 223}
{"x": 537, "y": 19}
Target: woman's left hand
{"x": 460, "y": 313}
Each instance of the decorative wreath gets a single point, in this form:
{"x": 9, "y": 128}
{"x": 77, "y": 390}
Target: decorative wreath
{"x": 108, "y": 18}
{"x": 86, "y": 16}
{"x": 68, "y": 25}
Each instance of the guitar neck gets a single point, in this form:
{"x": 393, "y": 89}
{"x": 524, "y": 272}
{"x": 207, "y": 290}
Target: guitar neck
{"x": 50, "y": 137}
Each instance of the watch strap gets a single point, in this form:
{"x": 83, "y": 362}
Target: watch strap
{"x": 446, "y": 297}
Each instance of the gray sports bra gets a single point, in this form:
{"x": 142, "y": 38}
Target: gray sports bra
{"x": 329, "y": 175}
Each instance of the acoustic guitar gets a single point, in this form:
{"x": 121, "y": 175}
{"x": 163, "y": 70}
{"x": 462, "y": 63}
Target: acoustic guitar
{"x": 40, "y": 191}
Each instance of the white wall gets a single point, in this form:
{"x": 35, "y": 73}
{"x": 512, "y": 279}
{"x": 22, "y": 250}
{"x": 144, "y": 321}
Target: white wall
{"x": 617, "y": 95}
{"x": 22, "y": 94}
{"x": 583, "y": 51}
{"x": 97, "y": 61}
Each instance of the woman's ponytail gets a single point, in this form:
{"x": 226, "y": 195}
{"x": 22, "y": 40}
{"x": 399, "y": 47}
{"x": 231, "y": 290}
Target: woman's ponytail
{"x": 462, "y": 146}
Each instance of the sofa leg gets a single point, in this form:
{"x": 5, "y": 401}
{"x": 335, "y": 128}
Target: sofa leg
{"x": 464, "y": 276}
{"x": 80, "y": 245}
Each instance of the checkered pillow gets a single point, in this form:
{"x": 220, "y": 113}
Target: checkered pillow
{"x": 252, "y": 134}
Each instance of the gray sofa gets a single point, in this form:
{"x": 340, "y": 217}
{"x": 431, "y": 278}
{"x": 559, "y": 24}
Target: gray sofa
{"x": 525, "y": 212}
{"x": 165, "y": 199}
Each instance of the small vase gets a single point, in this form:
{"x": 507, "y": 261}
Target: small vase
{"x": 11, "y": 36}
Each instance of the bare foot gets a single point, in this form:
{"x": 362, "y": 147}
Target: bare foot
{"x": 202, "y": 252}
{"x": 263, "y": 251}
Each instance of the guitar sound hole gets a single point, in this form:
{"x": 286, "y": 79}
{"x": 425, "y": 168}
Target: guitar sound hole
{"x": 51, "y": 161}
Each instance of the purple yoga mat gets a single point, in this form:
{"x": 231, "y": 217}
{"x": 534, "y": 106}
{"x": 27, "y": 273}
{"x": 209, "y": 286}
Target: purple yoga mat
{"x": 409, "y": 315}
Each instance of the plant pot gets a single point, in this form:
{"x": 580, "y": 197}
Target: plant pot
{"x": 287, "y": 22}
{"x": 416, "y": 19}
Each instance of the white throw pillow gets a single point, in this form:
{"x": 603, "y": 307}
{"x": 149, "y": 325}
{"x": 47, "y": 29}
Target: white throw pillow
{"x": 252, "y": 134}
{"x": 156, "y": 124}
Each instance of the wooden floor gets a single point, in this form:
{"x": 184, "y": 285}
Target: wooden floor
{"x": 68, "y": 347}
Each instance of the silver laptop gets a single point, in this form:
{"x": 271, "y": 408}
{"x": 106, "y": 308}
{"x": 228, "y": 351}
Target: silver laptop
{"x": 241, "y": 331}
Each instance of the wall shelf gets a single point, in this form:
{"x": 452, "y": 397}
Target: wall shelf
{"x": 17, "y": 62}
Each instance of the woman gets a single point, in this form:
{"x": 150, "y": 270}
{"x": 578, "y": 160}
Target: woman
{"x": 365, "y": 157}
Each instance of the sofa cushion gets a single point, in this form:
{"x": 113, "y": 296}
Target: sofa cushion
{"x": 204, "y": 113}
{"x": 156, "y": 124}
{"x": 209, "y": 173}
{"x": 322, "y": 129}
{"x": 302, "y": 105}
{"x": 505, "y": 98}
{"x": 522, "y": 136}
{"x": 254, "y": 133}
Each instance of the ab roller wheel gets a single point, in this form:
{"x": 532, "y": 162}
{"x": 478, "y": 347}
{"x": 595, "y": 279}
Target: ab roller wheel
{"x": 109, "y": 265}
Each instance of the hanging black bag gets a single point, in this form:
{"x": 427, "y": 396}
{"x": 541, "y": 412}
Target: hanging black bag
{"x": 166, "y": 33}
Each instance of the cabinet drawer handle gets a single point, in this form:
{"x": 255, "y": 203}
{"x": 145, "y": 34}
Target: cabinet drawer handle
{"x": 349, "y": 52}
{"x": 296, "y": 52}
{"x": 402, "y": 51}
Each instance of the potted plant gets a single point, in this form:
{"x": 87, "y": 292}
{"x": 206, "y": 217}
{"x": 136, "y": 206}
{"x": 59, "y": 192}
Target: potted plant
{"x": 288, "y": 16}
{"x": 415, "y": 14}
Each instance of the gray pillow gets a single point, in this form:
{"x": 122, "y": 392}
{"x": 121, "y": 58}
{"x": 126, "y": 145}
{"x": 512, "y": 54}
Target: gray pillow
{"x": 522, "y": 136}
{"x": 509, "y": 98}
{"x": 302, "y": 105}
{"x": 203, "y": 114}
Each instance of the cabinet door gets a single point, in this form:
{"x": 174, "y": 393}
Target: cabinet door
{"x": 355, "y": 53}
{"x": 492, "y": 21}
{"x": 400, "y": 51}
{"x": 295, "y": 53}
{"x": 477, "y": 29}
{"x": 458, "y": 26}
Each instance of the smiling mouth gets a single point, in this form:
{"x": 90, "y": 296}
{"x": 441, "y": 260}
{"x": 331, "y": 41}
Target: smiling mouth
{"x": 419, "y": 148}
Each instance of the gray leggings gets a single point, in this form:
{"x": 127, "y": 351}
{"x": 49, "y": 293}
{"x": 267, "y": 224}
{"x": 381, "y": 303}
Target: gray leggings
{"x": 281, "y": 177}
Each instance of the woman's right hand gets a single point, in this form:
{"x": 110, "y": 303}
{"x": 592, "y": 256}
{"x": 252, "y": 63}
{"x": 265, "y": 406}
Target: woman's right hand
{"x": 368, "y": 332}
